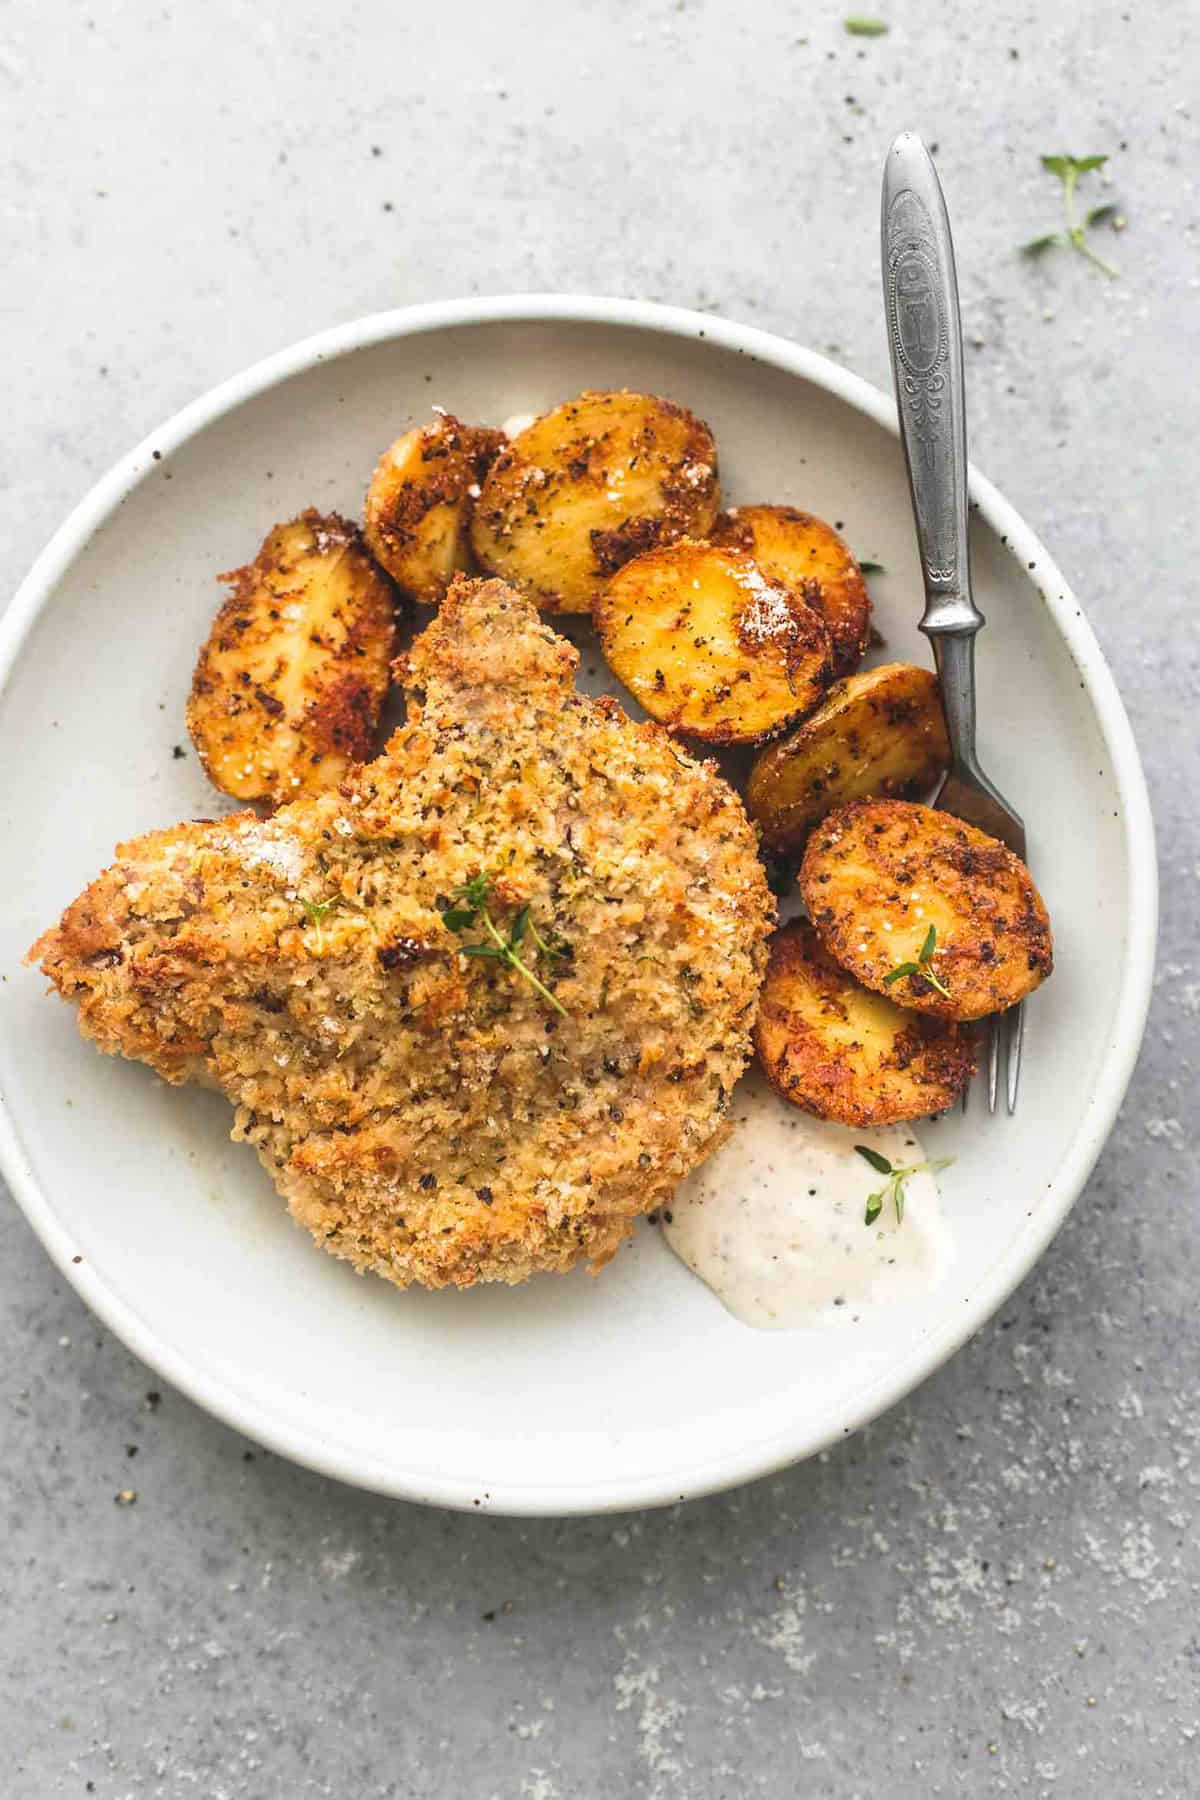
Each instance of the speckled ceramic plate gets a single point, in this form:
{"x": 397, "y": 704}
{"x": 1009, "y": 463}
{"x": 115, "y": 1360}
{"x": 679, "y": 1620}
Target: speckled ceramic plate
{"x": 575, "y": 1394}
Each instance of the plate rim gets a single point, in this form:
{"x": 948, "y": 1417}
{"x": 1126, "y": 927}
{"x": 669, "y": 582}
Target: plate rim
{"x": 784, "y": 1446}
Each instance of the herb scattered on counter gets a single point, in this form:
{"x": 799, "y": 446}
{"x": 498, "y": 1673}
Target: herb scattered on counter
{"x": 857, "y": 26}
{"x": 872, "y": 568}
{"x": 922, "y": 967}
{"x": 1074, "y": 235}
{"x": 469, "y": 908}
{"x": 897, "y": 1175}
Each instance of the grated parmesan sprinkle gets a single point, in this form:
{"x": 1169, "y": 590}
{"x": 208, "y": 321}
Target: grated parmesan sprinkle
{"x": 768, "y": 619}
{"x": 267, "y": 847}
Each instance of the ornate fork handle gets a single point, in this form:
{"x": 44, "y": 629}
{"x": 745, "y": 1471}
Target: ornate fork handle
{"x": 925, "y": 339}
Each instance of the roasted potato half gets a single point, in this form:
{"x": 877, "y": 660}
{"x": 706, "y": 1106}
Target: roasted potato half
{"x": 288, "y": 688}
{"x": 709, "y": 646}
{"x": 419, "y": 503}
{"x": 894, "y": 887}
{"x": 879, "y": 732}
{"x": 842, "y": 1052}
{"x": 804, "y": 552}
{"x": 588, "y": 486}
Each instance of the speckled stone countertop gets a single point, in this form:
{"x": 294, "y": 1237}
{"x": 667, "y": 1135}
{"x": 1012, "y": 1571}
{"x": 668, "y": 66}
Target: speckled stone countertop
{"x": 994, "y": 1590}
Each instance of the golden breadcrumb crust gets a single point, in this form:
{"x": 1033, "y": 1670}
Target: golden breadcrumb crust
{"x": 425, "y": 1113}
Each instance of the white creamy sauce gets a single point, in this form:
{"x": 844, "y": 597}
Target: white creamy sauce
{"x": 518, "y": 423}
{"x": 773, "y": 1222}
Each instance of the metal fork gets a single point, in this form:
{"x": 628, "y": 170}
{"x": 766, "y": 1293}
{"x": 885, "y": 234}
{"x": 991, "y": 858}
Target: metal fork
{"x": 920, "y": 293}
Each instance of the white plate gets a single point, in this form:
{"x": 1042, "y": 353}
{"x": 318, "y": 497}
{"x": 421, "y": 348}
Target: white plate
{"x": 567, "y": 1395}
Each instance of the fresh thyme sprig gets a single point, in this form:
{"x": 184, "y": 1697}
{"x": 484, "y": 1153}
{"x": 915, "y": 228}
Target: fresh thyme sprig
{"x": 470, "y": 907}
{"x": 1074, "y": 236}
{"x": 923, "y": 965}
{"x": 317, "y": 911}
{"x": 897, "y": 1175}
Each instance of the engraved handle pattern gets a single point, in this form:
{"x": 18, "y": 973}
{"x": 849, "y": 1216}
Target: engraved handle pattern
{"x": 920, "y": 293}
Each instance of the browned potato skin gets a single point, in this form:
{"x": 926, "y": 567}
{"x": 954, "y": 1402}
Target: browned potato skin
{"x": 803, "y": 551}
{"x": 419, "y": 503}
{"x": 878, "y": 873}
{"x": 709, "y": 647}
{"x": 841, "y": 1052}
{"x": 288, "y": 688}
{"x": 879, "y": 732}
{"x": 590, "y": 485}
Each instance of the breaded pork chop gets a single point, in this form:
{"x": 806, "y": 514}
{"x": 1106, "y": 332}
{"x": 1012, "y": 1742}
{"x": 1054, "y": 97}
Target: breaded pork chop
{"x": 426, "y": 1111}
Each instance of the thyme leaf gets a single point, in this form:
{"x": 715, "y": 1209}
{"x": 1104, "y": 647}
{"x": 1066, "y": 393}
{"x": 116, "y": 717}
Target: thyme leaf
{"x": 922, "y": 967}
{"x": 469, "y": 907}
{"x": 897, "y": 1175}
{"x": 1075, "y": 235}
{"x": 317, "y": 911}
{"x": 879, "y": 1163}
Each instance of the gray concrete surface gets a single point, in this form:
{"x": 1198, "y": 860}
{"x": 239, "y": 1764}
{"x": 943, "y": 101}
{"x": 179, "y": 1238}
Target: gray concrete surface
{"x": 995, "y": 1590}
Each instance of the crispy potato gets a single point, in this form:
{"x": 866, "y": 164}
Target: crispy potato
{"x": 590, "y": 485}
{"x": 288, "y": 688}
{"x": 804, "y": 552}
{"x": 879, "y": 875}
{"x": 709, "y": 646}
{"x": 419, "y": 503}
{"x": 841, "y": 1052}
{"x": 879, "y": 732}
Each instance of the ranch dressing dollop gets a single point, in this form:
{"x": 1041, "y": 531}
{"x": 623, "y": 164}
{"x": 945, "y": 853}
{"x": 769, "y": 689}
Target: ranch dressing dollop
{"x": 773, "y": 1222}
